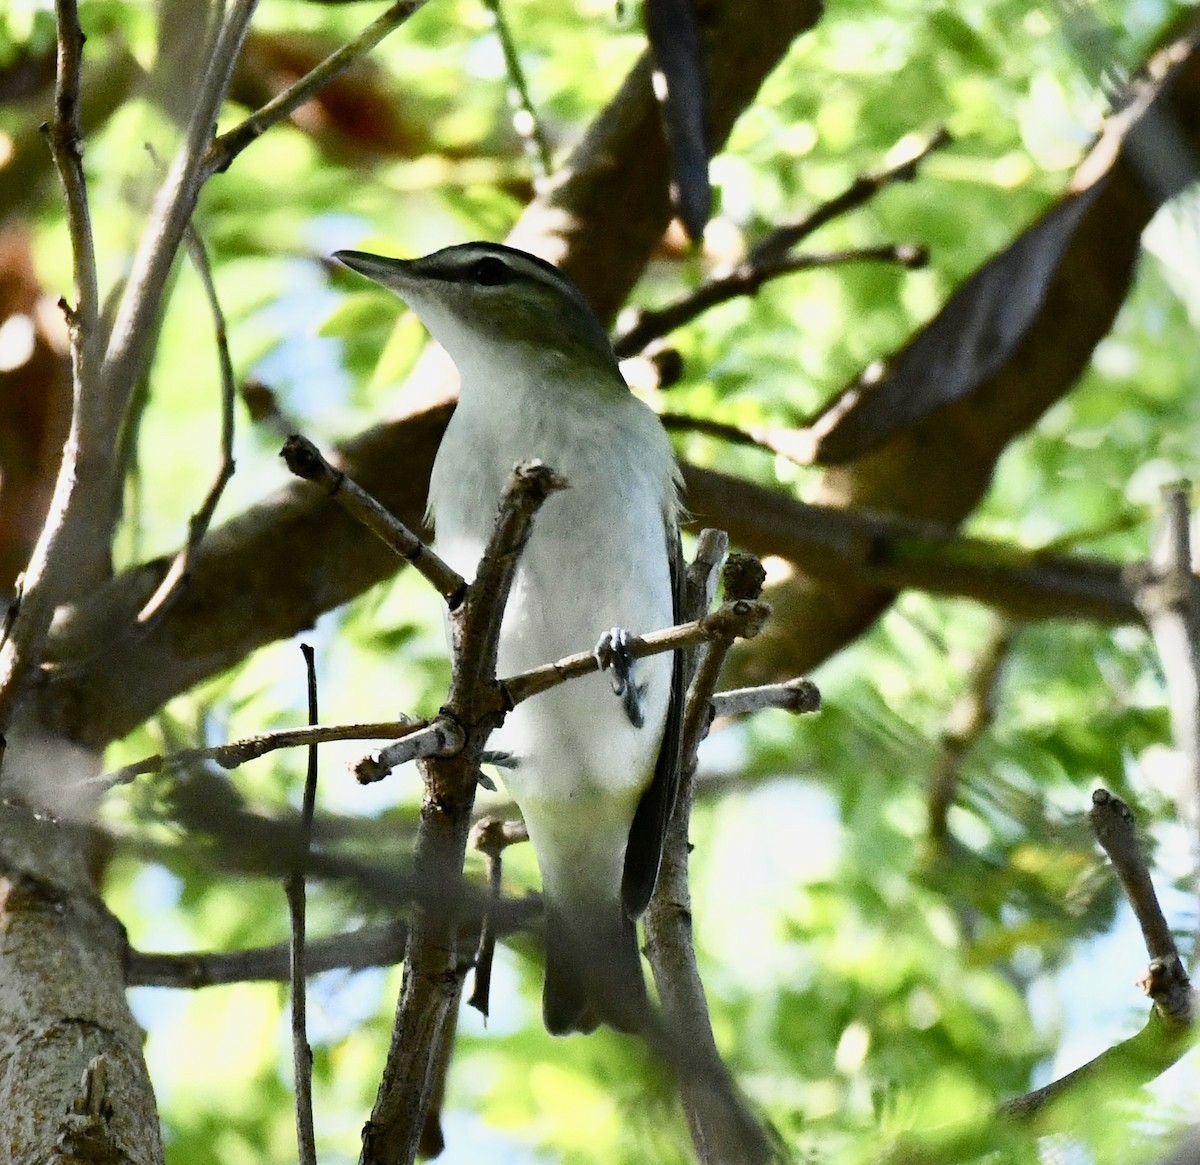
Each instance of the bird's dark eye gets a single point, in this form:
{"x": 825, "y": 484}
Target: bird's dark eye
{"x": 490, "y": 271}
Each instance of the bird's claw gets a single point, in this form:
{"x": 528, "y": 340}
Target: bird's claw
{"x": 613, "y": 655}
{"x": 502, "y": 760}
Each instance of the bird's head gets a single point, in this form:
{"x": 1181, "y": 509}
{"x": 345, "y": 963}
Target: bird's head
{"x": 488, "y": 305}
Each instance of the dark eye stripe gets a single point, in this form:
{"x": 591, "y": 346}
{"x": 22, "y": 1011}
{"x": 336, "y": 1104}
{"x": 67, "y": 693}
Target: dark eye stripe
{"x": 490, "y": 271}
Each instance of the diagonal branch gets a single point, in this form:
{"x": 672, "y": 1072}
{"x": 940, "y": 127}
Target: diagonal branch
{"x": 198, "y": 524}
{"x": 172, "y": 210}
{"x": 1167, "y": 1034}
{"x": 747, "y": 278}
{"x": 66, "y": 146}
{"x": 227, "y": 147}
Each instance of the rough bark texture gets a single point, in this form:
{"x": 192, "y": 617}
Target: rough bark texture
{"x": 62, "y": 996}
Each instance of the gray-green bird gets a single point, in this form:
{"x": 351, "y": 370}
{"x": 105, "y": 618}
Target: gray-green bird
{"x": 594, "y": 776}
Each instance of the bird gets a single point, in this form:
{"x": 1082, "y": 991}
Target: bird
{"x": 594, "y": 772}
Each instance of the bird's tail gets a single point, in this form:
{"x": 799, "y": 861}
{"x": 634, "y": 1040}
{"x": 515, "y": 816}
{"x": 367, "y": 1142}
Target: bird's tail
{"x": 593, "y": 969}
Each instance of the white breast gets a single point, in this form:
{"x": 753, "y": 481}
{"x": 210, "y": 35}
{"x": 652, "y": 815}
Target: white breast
{"x": 597, "y": 558}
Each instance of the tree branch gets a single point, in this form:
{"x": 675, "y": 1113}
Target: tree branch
{"x": 297, "y": 977}
{"x": 432, "y": 983}
{"x": 747, "y": 278}
{"x": 1166, "y": 1036}
{"x": 172, "y": 210}
{"x": 177, "y": 573}
{"x": 304, "y": 459}
{"x": 1165, "y": 591}
{"x": 237, "y": 752}
{"x": 55, "y": 557}
{"x": 723, "y": 1129}
{"x": 66, "y": 146}
{"x": 972, "y": 715}
{"x": 227, "y": 147}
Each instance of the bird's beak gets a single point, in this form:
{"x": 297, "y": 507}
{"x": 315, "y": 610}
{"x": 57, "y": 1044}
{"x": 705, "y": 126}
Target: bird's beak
{"x": 392, "y": 273}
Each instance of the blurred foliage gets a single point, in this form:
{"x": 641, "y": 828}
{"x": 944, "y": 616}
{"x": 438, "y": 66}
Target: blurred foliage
{"x": 866, "y": 985}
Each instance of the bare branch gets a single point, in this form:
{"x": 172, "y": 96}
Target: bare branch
{"x": 796, "y": 696}
{"x": 227, "y": 147}
{"x": 178, "y": 572}
{"x": 169, "y": 216}
{"x": 865, "y": 187}
{"x": 369, "y": 946}
{"x": 1113, "y": 824}
{"x": 525, "y": 120}
{"x": 1166, "y": 594}
{"x": 238, "y": 752}
{"x": 304, "y": 460}
{"x": 294, "y": 889}
{"x": 66, "y": 145}
{"x": 73, "y": 552}
{"x": 491, "y": 836}
{"x": 51, "y": 564}
{"x": 441, "y": 737}
{"x": 966, "y": 723}
{"x": 1117, "y": 1070}
{"x": 723, "y": 1129}
{"x": 377, "y": 945}
{"x": 794, "y": 444}
{"x": 746, "y": 278}
{"x": 741, "y": 619}
{"x": 432, "y": 983}
{"x": 1167, "y": 1034}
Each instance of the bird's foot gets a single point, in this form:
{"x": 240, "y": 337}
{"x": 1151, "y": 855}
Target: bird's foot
{"x": 502, "y": 760}
{"x": 613, "y": 655}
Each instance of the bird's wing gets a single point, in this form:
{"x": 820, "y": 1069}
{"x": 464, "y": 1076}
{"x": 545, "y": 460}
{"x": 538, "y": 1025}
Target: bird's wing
{"x": 649, "y": 828}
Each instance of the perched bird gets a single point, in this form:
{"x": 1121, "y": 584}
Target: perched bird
{"x": 594, "y": 776}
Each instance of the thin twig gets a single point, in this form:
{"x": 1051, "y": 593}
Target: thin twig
{"x": 739, "y": 619}
{"x": 786, "y": 235}
{"x": 442, "y": 736}
{"x": 525, "y": 120}
{"x": 796, "y": 445}
{"x": 302, "y": 1058}
{"x": 227, "y": 147}
{"x": 491, "y": 836}
{"x": 66, "y": 144}
{"x": 1167, "y": 1034}
{"x": 966, "y": 723}
{"x": 1166, "y": 593}
{"x": 1113, "y": 824}
{"x": 769, "y": 258}
{"x": 177, "y": 573}
{"x": 746, "y": 278}
{"x": 796, "y": 696}
{"x": 238, "y": 752}
{"x": 304, "y": 459}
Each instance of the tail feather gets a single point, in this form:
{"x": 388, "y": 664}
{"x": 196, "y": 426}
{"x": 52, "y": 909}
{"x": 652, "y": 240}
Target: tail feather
{"x": 593, "y": 971}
